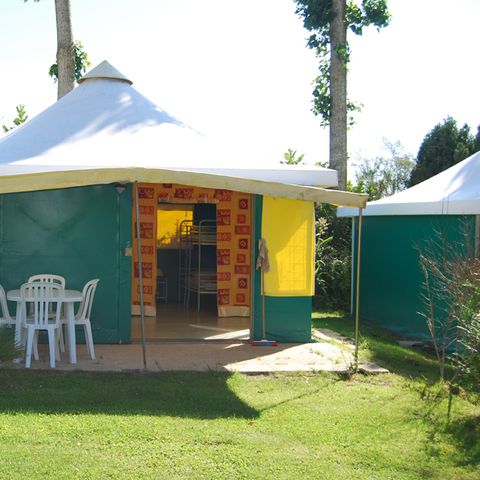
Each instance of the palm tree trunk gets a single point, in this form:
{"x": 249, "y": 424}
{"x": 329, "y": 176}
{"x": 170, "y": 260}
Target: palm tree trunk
{"x": 65, "y": 53}
{"x": 338, "y": 93}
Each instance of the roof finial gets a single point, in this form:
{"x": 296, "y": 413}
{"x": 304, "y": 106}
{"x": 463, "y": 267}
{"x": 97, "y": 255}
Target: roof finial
{"x": 105, "y": 70}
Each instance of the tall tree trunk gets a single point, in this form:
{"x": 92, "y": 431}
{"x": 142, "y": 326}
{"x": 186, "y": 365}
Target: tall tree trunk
{"x": 338, "y": 94}
{"x": 65, "y": 53}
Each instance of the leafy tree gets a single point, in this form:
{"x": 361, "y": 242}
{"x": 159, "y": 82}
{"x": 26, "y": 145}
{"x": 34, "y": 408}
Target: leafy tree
{"x": 81, "y": 63}
{"x": 329, "y": 20}
{"x": 290, "y": 157}
{"x": 18, "y": 120}
{"x": 72, "y": 61}
{"x": 476, "y": 143}
{"x": 383, "y": 176}
{"x": 444, "y": 146}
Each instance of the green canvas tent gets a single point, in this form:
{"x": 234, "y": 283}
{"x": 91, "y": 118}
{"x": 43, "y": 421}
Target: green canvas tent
{"x": 395, "y": 228}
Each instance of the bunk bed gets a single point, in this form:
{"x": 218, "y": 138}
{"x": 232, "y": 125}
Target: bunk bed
{"x": 197, "y": 272}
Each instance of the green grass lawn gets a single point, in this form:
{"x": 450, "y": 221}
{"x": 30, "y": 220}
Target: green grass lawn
{"x": 223, "y": 426}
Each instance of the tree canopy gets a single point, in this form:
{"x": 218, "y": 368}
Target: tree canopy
{"x": 80, "y": 66}
{"x": 18, "y": 120}
{"x": 328, "y": 22}
{"x": 317, "y": 17}
{"x": 72, "y": 60}
{"x": 444, "y": 146}
{"x": 386, "y": 175}
{"x": 291, "y": 157}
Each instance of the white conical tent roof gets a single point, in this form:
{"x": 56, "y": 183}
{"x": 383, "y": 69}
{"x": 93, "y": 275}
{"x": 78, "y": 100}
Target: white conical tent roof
{"x": 105, "y": 131}
{"x": 455, "y": 191}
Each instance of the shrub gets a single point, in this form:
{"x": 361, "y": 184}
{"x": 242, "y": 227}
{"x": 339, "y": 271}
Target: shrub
{"x": 451, "y": 292}
{"x": 332, "y": 259}
{"x": 8, "y": 349}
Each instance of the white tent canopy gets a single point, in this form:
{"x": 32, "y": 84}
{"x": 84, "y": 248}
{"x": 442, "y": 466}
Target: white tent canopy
{"x": 105, "y": 131}
{"x": 455, "y": 191}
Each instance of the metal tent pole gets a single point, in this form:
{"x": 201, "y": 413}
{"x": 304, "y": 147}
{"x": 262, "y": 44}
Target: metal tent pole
{"x": 357, "y": 299}
{"x": 477, "y": 236}
{"x": 264, "y": 322}
{"x": 140, "y": 276}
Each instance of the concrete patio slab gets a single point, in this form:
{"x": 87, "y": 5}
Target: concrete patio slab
{"x": 371, "y": 369}
{"x": 204, "y": 356}
{"x": 325, "y": 334}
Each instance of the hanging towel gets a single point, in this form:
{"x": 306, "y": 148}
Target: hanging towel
{"x": 262, "y": 259}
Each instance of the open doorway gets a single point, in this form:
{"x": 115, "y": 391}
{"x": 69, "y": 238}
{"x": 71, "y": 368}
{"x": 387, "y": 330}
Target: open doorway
{"x": 187, "y": 294}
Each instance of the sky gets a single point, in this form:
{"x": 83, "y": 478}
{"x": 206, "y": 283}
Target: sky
{"x": 239, "y": 71}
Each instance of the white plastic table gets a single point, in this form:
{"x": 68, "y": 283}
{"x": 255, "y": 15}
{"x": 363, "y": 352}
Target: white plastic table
{"x": 69, "y": 298}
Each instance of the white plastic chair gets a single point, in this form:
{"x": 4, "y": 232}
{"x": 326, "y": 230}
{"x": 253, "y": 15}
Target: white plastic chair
{"x": 50, "y": 278}
{"x": 5, "y": 319}
{"x": 83, "y": 314}
{"x": 43, "y": 299}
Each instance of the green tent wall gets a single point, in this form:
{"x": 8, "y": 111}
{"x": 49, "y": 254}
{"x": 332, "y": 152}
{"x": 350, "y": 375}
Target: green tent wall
{"x": 79, "y": 233}
{"x": 390, "y": 275}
